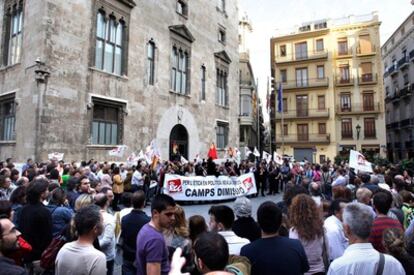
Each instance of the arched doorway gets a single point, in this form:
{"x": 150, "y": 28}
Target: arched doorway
{"x": 179, "y": 136}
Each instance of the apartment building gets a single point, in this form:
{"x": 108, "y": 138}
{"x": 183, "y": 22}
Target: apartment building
{"x": 332, "y": 96}
{"x": 398, "y": 60}
{"x": 80, "y": 77}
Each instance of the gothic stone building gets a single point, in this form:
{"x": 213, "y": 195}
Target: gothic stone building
{"x": 81, "y": 76}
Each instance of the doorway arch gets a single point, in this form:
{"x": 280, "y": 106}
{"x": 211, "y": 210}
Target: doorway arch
{"x": 179, "y": 136}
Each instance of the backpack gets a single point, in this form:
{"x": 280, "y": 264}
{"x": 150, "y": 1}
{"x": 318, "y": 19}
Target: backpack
{"x": 285, "y": 169}
{"x": 48, "y": 258}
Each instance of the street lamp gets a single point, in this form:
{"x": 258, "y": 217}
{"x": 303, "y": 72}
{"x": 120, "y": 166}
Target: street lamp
{"x": 358, "y": 129}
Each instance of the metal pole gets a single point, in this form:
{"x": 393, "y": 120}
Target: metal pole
{"x": 258, "y": 114}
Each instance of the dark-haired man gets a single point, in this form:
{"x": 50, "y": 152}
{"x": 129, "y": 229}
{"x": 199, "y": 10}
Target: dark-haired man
{"x": 9, "y": 243}
{"x": 221, "y": 221}
{"x": 211, "y": 253}
{"x": 273, "y": 254}
{"x": 131, "y": 224}
{"x": 152, "y": 253}
{"x": 80, "y": 257}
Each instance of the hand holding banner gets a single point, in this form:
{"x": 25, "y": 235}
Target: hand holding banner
{"x": 358, "y": 162}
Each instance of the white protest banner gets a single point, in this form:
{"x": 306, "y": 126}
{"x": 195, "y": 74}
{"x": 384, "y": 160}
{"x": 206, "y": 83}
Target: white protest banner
{"x": 247, "y": 152}
{"x": 56, "y": 156}
{"x": 277, "y": 158}
{"x": 266, "y": 156}
{"x": 183, "y": 160}
{"x": 118, "y": 151}
{"x": 358, "y": 162}
{"x": 209, "y": 188}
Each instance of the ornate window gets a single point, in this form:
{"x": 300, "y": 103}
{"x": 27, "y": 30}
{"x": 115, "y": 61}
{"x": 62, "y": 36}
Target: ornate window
{"x": 203, "y": 83}
{"x": 222, "y": 134}
{"x": 111, "y": 35}
{"x": 13, "y": 34}
{"x": 7, "y": 117}
{"x": 222, "y": 70}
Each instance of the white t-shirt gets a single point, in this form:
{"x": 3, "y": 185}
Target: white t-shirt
{"x": 235, "y": 242}
{"x": 80, "y": 259}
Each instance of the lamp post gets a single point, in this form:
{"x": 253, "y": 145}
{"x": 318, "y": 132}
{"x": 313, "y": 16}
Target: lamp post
{"x": 358, "y": 129}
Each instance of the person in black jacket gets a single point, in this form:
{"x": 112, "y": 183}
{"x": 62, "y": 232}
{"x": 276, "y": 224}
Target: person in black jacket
{"x": 245, "y": 226}
{"x": 131, "y": 224}
{"x": 35, "y": 222}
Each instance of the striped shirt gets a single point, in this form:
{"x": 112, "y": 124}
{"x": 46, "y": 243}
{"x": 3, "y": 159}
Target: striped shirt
{"x": 378, "y": 227}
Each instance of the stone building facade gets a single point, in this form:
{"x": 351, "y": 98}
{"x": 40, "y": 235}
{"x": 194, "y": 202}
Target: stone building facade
{"x": 81, "y": 76}
{"x": 332, "y": 96}
{"x": 398, "y": 58}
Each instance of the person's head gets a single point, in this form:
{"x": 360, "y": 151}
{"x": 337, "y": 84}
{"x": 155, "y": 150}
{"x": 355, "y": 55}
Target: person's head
{"x": 138, "y": 199}
{"x": 197, "y": 225}
{"x": 126, "y": 199}
{"x": 382, "y": 202}
{"x": 101, "y": 200}
{"x": 211, "y": 252}
{"x": 109, "y": 194}
{"x": 18, "y": 196}
{"x": 364, "y": 195}
{"x": 357, "y": 221}
{"x": 84, "y": 184}
{"x": 269, "y": 217}
{"x": 5, "y": 181}
{"x": 336, "y": 208}
{"x": 406, "y": 196}
{"x": 221, "y": 218}
{"x": 365, "y": 178}
{"x": 394, "y": 242}
{"x": 242, "y": 207}
{"x": 22, "y": 181}
{"x": 305, "y": 217}
{"x": 180, "y": 224}
{"x": 54, "y": 174}
{"x": 163, "y": 211}
{"x": 58, "y": 196}
{"x": 293, "y": 191}
{"x": 14, "y": 174}
{"x": 88, "y": 221}
{"x": 6, "y": 210}
{"x": 73, "y": 184}
{"x": 8, "y": 237}
{"x": 342, "y": 192}
{"x": 116, "y": 170}
{"x": 37, "y": 191}
{"x": 82, "y": 201}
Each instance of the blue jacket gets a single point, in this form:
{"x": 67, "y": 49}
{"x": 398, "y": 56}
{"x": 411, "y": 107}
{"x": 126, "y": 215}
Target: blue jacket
{"x": 61, "y": 216}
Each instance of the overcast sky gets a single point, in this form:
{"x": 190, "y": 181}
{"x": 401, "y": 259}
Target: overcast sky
{"x": 268, "y": 16}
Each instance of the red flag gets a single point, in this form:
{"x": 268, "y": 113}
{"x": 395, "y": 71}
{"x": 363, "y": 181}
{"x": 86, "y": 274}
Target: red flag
{"x": 212, "y": 152}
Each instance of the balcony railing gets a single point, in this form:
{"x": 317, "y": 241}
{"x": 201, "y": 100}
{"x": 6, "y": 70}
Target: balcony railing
{"x": 368, "y": 78}
{"x": 392, "y": 70}
{"x": 340, "y": 81}
{"x": 403, "y": 63}
{"x": 295, "y": 57}
{"x": 304, "y": 138}
{"x": 371, "y": 51}
{"x": 407, "y": 90}
{"x": 409, "y": 122}
{"x": 358, "y": 109}
{"x": 393, "y": 125}
{"x": 343, "y": 53}
{"x": 305, "y": 83}
{"x": 412, "y": 55}
{"x": 303, "y": 114}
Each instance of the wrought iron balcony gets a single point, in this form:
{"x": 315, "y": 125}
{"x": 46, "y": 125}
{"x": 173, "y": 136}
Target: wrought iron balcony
{"x": 341, "y": 82}
{"x": 303, "y": 114}
{"x": 412, "y": 55}
{"x": 304, "y": 138}
{"x": 356, "y": 109}
{"x": 392, "y": 70}
{"x": 407, "y": 90}
{"x": 403, "y": 63}
{"x": 306, "y": 83}
{"x": 368, "y": 79}
{"x": 302, "y": 56}
{"x": 406, "y": 123}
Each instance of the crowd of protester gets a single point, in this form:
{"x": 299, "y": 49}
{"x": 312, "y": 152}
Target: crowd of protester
{"x": 88, "y": 218}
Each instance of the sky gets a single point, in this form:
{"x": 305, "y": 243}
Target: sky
{"x": 271, "y": 16}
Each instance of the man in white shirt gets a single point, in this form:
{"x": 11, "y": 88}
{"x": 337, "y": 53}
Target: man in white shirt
{"x": 137, "y": 181}
{"x": 221, "y": 221}
{"x": 80, "y": 257}
{"x": 335, "y": 235}
{"x": 107, "y": 239}
{"x": 360, "y": 257}
{"x": 340, "y": 179}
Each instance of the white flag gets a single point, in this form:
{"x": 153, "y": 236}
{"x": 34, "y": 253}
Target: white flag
{"x": 277, "y": 158}
{"x": 256, "y": 152}
{"x": 266, "y": 156}
{"x": 118, "y": 151}
{"x": 56, "y": 156}
{"x": 183, "y": 160}
{"x": 247, "y": 152}
{"x": 358, "y": 162}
